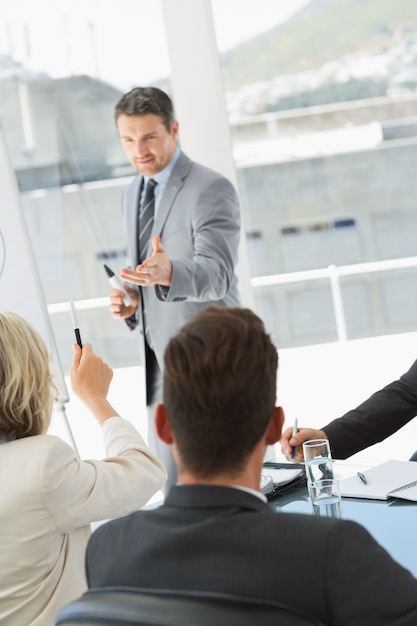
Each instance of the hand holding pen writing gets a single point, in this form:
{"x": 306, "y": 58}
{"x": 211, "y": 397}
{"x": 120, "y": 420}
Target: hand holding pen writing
{"x": 289, "y": 441}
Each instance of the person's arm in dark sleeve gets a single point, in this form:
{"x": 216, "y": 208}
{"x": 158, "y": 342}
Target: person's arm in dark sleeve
{"x": 381, "y": 415}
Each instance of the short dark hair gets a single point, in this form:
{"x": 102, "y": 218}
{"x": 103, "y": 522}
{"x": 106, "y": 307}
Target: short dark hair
{"x": 145, "y": 101}
{"x": 220, "y": 374}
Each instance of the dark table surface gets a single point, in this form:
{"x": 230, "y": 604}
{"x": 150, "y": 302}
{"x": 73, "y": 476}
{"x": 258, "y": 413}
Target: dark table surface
{"x": 392, "y": 523}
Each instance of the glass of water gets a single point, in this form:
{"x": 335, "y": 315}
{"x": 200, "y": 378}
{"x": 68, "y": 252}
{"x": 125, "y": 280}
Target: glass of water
{"x": 318, "y": 461}
{"x": 325, "y": 498}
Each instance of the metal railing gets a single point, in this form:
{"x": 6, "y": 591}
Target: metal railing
{"x": 333, "y": 273}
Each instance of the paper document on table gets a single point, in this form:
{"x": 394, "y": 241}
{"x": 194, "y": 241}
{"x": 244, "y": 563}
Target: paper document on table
{"x": 392, "y": 479}
{"x": 282, "y": 476}
{"x": 277, "y": 477}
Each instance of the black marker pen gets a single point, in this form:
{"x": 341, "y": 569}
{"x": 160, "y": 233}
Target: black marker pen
{"x": 117, "y": 284}
{"x": 75, "y": 324}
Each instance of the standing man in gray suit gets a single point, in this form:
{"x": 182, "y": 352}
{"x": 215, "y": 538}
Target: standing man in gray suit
{"x": 215, "y": 530}
{"x": 182, "y": 242}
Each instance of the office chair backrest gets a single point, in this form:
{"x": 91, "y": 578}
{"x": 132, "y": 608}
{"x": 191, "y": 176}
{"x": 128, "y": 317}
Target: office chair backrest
{"x": 127, "y": 606}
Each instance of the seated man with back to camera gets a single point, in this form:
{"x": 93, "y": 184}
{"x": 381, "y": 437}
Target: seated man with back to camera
{"x": 215, "y": 530}
{"x": 381, "y": 415}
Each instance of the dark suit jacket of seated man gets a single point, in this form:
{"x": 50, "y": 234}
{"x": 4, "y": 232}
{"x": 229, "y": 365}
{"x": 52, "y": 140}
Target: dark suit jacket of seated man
{"x": 215, "y": 530}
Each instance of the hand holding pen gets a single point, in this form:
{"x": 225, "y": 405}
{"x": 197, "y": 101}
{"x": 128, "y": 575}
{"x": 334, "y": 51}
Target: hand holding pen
{"x": 292, "y": 449}
{"x": 90, "y": 376}
{"x": 90, "y": 380}
{"x": 117, "y": 284}
{"x": 124, "y": 300}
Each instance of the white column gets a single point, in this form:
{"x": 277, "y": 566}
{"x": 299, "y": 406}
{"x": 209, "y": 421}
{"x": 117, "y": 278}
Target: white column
{"x": 199, "y": 100}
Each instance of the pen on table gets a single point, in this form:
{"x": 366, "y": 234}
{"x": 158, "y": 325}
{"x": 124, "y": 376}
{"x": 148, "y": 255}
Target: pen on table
{"x": 75, "y": 324}
{"x": 294, "y": 432}
{"x": 117, "y": 284}
{"x": 363, "y": 478}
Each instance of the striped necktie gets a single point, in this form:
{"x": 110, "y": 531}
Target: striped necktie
{"x": 146, "y": 214}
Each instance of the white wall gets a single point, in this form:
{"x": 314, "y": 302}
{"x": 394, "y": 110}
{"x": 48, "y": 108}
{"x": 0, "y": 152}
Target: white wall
{"x": 315, "y": 384}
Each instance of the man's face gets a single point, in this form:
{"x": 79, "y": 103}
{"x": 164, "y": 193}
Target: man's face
{"x": 147, "y": 143}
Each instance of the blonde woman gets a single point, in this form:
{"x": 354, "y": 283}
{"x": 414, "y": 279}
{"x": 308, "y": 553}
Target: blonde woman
{"x": 48, "y": 496}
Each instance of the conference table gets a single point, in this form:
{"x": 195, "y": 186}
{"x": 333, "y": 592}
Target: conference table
{"x": 393, "y": 523}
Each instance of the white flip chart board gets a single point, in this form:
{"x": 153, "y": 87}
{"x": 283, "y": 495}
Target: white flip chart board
{"x": 20, "y": 287}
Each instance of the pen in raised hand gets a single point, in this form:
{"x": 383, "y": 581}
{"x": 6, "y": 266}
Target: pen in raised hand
{"x": 75, "y": 324}
{"x": 294, "y": 432}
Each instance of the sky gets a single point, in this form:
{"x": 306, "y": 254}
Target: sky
{"x": 122, "y": 43}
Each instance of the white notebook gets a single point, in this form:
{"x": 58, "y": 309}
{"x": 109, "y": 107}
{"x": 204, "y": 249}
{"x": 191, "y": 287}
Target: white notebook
{"x": 392, "y": 479}
{"x": 281, "y": 476}
{"x": 275, "y": 477}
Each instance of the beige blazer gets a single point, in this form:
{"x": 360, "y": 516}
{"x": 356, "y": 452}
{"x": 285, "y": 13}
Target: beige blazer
{"x": 48, "y": 497}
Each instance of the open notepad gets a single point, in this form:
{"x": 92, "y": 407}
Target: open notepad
{"x": 392, "y": 479}
{"x": 276, "y": 476}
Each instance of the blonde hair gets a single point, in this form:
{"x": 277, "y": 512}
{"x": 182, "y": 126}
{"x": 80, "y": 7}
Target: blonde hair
{"x": 27, "y": 391}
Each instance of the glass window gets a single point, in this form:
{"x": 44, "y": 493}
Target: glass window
{"x": 63, "y": 68}
{"x": 322, "y": 103}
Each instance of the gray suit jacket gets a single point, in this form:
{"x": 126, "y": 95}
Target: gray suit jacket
{"x": 198, "y": 220}
{"x": 381, "y": 415}
{"x": 224, "y": 539}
